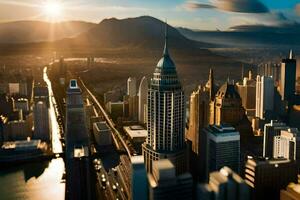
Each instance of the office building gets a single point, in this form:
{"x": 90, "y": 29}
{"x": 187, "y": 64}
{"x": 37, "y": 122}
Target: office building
{"x": 143, "y": 92}
{"x": 166, "y": 116}
{"x": 41, "y": 93}
{"x": 288, "y": 78}
{"x": 199, "y": 116}
{"x": 78, "y": 176}
{"x": 267, "y": 177}
{"x": 247, "y": 90}
{"x": 139, "y": 180}
{"x": 137, "y": 134}
{"x": 270, "y": 70}
{"x": 264, "y": 97}
{"x": 131, "y": 86}
{"x": 102, "y": 134}
{"x": 133, "y": 106}
{"x": 41, "y": 121}
{"x": 13, "y": 88}
{"x": 224, "y": 184}
{"x": 292, "y": 192}
{"x": 286, "y": 145}
{"x": 164, "y": 184}
{"x": 223, "y": 144}
{"x": 22, "y": 104}
{"x": 16, "y": 130}
{"x": 271, "y": 130}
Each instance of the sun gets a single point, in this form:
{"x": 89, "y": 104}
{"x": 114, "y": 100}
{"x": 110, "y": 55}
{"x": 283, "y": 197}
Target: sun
{"x": 53, "y": 9}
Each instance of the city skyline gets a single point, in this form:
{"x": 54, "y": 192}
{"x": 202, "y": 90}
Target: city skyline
{"x": 204, "y": 14}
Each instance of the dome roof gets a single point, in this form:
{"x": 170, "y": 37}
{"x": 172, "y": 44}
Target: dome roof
{"x": 228, "y": 91}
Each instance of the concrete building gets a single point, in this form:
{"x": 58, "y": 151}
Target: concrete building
{"x": 224, "y": 184}
{"x": 89, "y": 112}
{"x": 78, "y": 176}
{"x": 22, "y": 104}
{"x": 133, "y": 106}
{"x": 292, "y": 192}
{"x": 264, "y": 96}
{"x": 142, "y": 95}
{"x": 271, "y": 130}
{"x": 41, "y": 93}
{"x": 131, "y": 86}
{"x": 267, "y": 177}
{"x": 139, "y": 180}
{"x": 137, "y": 134}
{"x": 199, "y": 116}
{"x": 270, "y": 70}
{"x": 286, "y": 145}
{"x": 288, "y": 78}
{"x": 16, "y": 130}
{"x": 247, "y": 90}
{"x": 223, "y": 144}
{"x": 164, "y": 184}
{"x": 166, "y": 116}
{"x": 102, "y": 134}
{"x": 13, "y": 88}
{"x": 41, "y": 121}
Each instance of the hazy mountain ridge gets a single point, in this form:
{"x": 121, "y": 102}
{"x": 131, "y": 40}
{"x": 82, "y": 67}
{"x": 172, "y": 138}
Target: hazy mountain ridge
{"x": 37, "y": 31}
{"x": 249, "y": 35}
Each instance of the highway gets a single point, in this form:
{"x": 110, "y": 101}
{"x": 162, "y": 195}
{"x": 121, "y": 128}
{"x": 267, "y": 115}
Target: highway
{"x": 115, "y": 132}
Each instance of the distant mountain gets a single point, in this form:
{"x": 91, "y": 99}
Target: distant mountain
{"x": 249, "y": 36}
{"x": 140, "y": 32}
{"x": 37, "y": 31}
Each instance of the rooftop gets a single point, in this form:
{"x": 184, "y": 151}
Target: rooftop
{"x": 135, "y": 131}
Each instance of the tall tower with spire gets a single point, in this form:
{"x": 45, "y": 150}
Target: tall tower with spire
{"x": 166, "y": 115}
{"x": 288, "y": 78}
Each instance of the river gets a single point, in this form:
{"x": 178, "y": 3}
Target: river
{"x": 37, "y": 180}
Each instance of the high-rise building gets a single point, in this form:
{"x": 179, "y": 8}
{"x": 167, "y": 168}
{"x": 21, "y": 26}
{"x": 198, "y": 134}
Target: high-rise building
{"x": 246, "y": 90}
{"x": 271, "y": 130}
{"x": 131, "y": 86}
{"x": 143, "y": 92}
{"x": 166, "y": 116}
{"x": 264, "y": 96}
{"x": 288, "y": 78}
{"x": 139, "y": 185}
{"x": 292, "y": 192}
{"x": 62, "y": 71}
{"x": 78, "y": 176}
{"x": 285, "y": 144}
{"x": 224, "y": 184}
{"x": 199, "y": 114}
{"x": 223, "y": 144}
{"x": 267, "y": 177}
{"x": 41, "y": 121}
{"x": 228, "y": 106}
{"x": 164, "y": 184}
{"x": 270, "y": 70}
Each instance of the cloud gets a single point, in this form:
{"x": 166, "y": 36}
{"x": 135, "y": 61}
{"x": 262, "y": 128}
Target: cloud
{"x": 241, "y": 6}
{"x": 297, "y": 9}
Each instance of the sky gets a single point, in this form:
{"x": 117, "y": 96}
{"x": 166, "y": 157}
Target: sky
{"x": 195, "y": 14}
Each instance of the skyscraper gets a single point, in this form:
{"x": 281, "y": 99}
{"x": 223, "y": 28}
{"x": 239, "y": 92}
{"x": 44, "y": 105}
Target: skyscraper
{"x": 285, "y": 144}
{"x": 264, "y": 96}
{"x": 143, "y": 92}
{"x": 228, "y": 106}
{"x": 246, "y": 90}
{"x": 199, "y": 118}
{"x": 271, "y": 130}
{"x": 166, "y": 116}
{"x": 199, "y": 114}
{"x": 288, "y": 78}
{"x": 223, "y": 144}
{"x": 139, "y": 185}
{"x": 267, "y": 177}
{"x": 131, "y": 86}
{"x": 78, "y": 177}
{"x": 41, "y": 121}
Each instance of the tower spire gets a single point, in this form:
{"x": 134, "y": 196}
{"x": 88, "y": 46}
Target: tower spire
{"x": 291, "y": 54}
{"x": 166, "y": 52}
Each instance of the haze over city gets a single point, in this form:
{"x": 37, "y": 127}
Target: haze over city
{"x": 136, "y": 99}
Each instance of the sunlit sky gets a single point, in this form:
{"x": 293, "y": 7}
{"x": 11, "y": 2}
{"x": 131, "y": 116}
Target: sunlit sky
{"x": 198, "y": 14}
